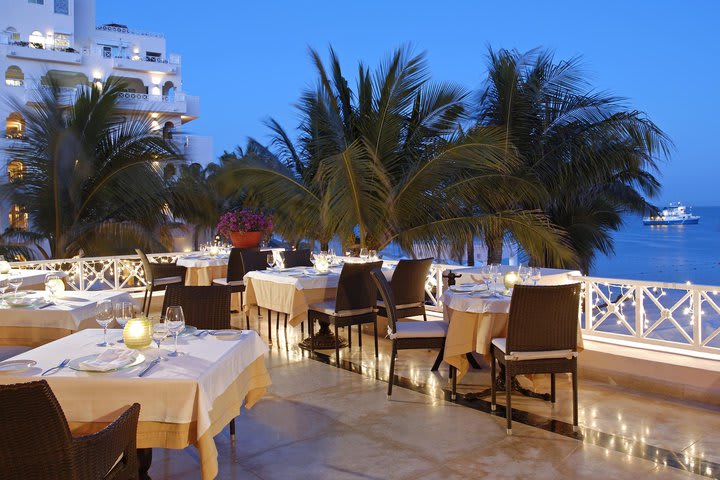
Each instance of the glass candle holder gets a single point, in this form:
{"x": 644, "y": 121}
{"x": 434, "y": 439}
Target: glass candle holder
{"x": 137, "y": 333}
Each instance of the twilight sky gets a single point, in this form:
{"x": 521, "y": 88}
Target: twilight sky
{"x": 248, "y": 60}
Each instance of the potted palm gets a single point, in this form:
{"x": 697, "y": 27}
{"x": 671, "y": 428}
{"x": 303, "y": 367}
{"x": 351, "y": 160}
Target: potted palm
{"x": 244, "y": 228}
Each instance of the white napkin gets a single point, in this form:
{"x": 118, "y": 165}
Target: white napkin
{"x": 110, "y": 359}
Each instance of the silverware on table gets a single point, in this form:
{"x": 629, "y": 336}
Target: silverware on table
{"x": 152, "y": 364}
{"x": 201, "y": 333}
{"x": 49, "y": 304}
{"x": 62, "y": 365}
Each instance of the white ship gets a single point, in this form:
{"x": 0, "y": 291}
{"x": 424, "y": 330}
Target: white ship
{"x": 674, "y": 214}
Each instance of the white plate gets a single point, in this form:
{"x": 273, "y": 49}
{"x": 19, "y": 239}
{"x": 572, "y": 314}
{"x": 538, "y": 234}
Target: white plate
{"x": 313, "y": 273}
{"x": 465, "y": 287}
{"x": 296, "y": 274}
{"x": 16, "y": 366}
{"x": 227, "y": 334}
{"x": 75, "y": 364}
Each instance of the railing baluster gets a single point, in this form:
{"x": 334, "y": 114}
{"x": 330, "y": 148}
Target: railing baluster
{"x": 639, "y": 312}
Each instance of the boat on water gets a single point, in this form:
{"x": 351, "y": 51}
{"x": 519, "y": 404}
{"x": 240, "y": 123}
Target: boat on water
{"x": 674, "y": 214}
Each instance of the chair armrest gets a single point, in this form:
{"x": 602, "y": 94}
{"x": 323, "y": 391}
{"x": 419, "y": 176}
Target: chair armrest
{"x": 96, "y": 454}
{"x": 161, "y": 270}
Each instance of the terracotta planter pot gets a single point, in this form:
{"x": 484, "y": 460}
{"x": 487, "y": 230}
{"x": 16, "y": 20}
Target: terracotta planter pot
{"x": 245, "y": 239}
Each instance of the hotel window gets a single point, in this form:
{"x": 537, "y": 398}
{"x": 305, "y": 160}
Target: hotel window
{"x": 14, "y": 76}
{"x": 14, "y": 126}
{"x": 18, "y": 218}
{"x": 15, "y": 170}
{"x": 61, "y": 6}
{"x": 62, "y": 40}
{"x": 37, "y": 39}
{"x": 12, "y": 34}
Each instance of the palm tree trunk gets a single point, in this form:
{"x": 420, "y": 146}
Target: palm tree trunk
{"x": 471, "y": 251}
{"x": 494, "y": 242}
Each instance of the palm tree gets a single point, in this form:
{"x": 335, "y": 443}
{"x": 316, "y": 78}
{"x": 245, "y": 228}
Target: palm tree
{"x": 385, "y": 163}
{"x": 90, "y": 180}
{"x": 594, "y": 157}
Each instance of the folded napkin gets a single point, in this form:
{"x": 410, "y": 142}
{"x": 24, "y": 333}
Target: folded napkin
{"x": 110, "y": 359}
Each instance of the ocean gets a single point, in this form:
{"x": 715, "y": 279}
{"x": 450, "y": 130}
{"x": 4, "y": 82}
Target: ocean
{"x": 677, "y": 253}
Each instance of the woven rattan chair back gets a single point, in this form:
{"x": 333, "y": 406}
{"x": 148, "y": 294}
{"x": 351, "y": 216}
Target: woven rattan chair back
{"x": 207, "y": 308}
{"x": 253, "y": 260}
{"x": 408, "y": 280}
{"x": 235, "y": 271}
{"x": 356, "y": 289}
{"x": 146, "y": 265}
{"x": 543, "y": 318}
{"x": 36, "y": 441}
{"x": 387, "y": 296}
{"x": 297, "y": 258}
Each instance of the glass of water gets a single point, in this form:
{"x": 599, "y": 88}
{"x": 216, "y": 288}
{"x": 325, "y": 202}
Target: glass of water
{"x": 15, "y": 280}
{"x": 175, "y": 321}
{"x": 124, "y": 311}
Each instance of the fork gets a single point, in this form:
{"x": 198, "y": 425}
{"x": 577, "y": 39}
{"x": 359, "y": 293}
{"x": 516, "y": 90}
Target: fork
{"x": 62, "y": 365}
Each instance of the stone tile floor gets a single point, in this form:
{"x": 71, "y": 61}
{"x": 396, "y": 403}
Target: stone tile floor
{"x": 322, "y": 422}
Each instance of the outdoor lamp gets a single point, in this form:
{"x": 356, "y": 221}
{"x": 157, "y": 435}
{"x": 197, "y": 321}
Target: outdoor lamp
{"x": 137, "y": 333}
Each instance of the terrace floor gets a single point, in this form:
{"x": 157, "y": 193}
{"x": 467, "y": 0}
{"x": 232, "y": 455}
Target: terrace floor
{"x": 319, "y": 421}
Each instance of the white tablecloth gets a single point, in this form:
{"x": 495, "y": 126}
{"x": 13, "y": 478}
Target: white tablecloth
{"x": 71, "y": 311}
{"x": 196, "y": 260}
{"x": 34, "y": 279}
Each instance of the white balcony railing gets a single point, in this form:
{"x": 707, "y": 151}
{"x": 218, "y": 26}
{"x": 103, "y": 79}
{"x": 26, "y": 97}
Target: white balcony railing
{"x": 671, "y": 317}
{"x": 146, "y": 97}
{"x": 126, "y": 30}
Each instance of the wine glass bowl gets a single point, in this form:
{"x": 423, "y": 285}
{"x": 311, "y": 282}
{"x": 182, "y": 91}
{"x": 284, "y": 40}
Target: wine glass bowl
{"x": 15, "y": 280}
{"x": 535, "y": 275}
{"x": 124, "y": 311}
{"x": 364, "y": 254}
{"x": 159, "y": 333}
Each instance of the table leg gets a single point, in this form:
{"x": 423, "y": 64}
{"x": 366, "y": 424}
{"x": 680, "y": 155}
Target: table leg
{"x": 473, "y": 363}
{"x": 500, "y": 387}
{"x": 324, "y": 339}
{"x": 144, "y": 461}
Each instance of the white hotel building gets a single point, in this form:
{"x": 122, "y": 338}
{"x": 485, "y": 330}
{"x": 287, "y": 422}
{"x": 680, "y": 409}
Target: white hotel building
{"x": 60, "y": 39}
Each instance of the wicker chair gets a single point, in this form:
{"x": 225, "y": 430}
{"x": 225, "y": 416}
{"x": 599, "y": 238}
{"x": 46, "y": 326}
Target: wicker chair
{"x": 158, "y": 276}
{"x": 234, "y": 278}
{"x": 297, "y": 258}
{"x": 207, "y": 308}
{"x": 412, "y": 334}
{"x": 36, "y": 442}
{"x": 354, "y": 304}
{"x": 542, "y": 338}
{"x": 408, "y": 287}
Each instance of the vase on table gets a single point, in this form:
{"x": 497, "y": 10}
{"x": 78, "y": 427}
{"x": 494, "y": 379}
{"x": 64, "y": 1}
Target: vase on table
{"x": 245, "y": 239}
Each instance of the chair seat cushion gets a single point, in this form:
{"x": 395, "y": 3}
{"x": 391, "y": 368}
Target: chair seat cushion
{"x": 402, "y": 306}
{"x": 224, "y": 281}
{"x": 167, "y": 280}
{"x": 432, "y": 329}
{"x": 501, "y": 344}
{"x": 328, "y": 307}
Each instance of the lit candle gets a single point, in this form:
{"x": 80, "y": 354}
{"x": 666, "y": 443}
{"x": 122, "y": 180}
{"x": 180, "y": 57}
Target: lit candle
{"x": 214, "y": 250}
{"x": 137, "y": 333}
{"x": 511, "y": 279}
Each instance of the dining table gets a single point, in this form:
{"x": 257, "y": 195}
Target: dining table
{"x": 43, "y": 320}
{"x": 184, "y": 400}
{"x": 201, "y": 268}
{"x": 476, "y": 315}
{"x": 289, "y": 291}
{"x": 33, "y": 279}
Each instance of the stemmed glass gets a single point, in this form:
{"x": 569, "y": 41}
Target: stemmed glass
{"x": 364, "y": 254}
{"x": 103, "y": 316}
{"x": 270, "y": 259}
{"x": 124, "y": 311}
{"x": 175, "y": 321}
{"x": 486, "y": 275}
{"x": 535, "y": 275}
{"x": 524, "y": 274}
{"x": 372, "y": 255}
{"x": 4, "y": 285}
{"x": 52, "y": 284}
{"x": 159, "y": 333}
{"x": 331, "y": 256}
{"x": 15, "y": 280}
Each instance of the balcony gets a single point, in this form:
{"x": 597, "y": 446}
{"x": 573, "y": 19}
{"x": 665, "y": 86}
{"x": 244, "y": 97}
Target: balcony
{"x": 167, "y": 66}
{"x": 154, "y": 103}
{"x": 44, "y": 54}
{"x": 127, "y": 31}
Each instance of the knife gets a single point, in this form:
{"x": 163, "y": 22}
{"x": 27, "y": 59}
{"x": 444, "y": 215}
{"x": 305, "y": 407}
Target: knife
{"x": 147, "y": 369}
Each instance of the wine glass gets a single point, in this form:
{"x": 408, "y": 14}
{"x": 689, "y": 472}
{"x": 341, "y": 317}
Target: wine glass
{"x": 494, "y": 276}
{"x": 373, "y": 255}
{"x": 175, "y": 321}
{"x": 52, "y": 284}
{"x": 103, "y": 316}
{"x": 535, "y": 275}
{"x": 4, "y": 285}
{"x": 364, "y": 254}
{"x": 124, "y": 311}
{"x": 159, "y": 333}
{"x": 15, "y": 280}
{"x": 331, "y": 256}
{"x": 270, "y": 259}
{"x": 524, "y": 274}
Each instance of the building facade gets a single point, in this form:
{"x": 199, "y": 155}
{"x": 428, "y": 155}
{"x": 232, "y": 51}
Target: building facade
{"x": 59, "y": 40}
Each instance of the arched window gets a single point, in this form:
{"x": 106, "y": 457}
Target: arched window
{"x": 12, "y": 35}
{"x": 37, "y": 39}
{"x": 15, "y": 170}
{"x": 14, "y": 76}
{"x": 168, "y": 130}
{"x": 14, "y": 125}
{"x": 18, "y": 217}
{"x": 168, "y": 90}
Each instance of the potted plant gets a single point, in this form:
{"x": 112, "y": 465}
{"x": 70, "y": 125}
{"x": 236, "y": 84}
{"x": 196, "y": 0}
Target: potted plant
{"x": 243, "y": 227}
